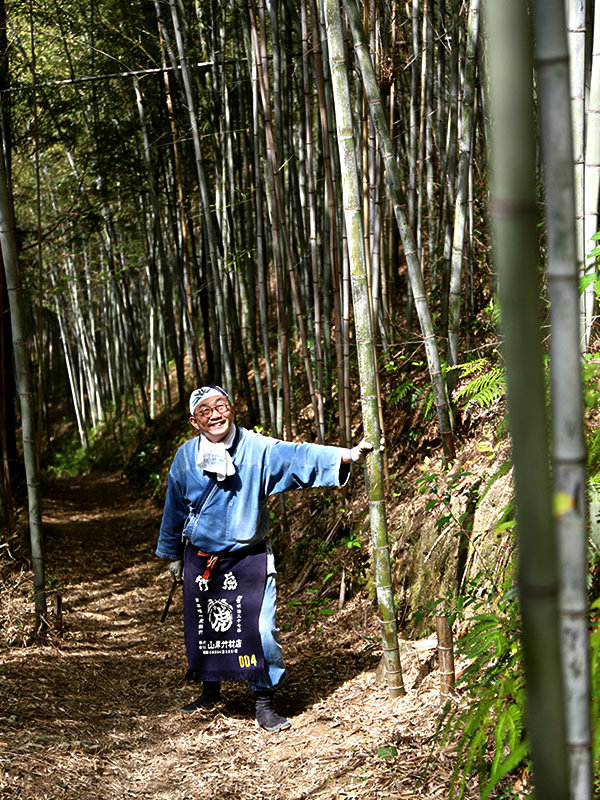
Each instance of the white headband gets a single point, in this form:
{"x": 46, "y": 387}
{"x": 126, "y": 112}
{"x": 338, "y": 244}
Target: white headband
{"x": 203, "y": 393}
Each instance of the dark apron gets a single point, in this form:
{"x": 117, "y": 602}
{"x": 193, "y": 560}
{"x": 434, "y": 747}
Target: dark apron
{"x": 222, "y": 599}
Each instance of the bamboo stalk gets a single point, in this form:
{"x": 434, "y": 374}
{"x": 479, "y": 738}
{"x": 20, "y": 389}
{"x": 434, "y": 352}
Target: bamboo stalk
{"x": 213, "y": 233}
{"x": 568, "y": 439}
{"x": 8, "y": 247}
{"x": 462, "y": 189}
{"x": 576, "y": 36}
{"x": 592, "y": 174}
{"x": 365, "y": 347}
{"x": 394, "y": 185}
{"x": 445, "y": 655}
{"x": 513, "y": 209}
{"x": 342, "y": 344}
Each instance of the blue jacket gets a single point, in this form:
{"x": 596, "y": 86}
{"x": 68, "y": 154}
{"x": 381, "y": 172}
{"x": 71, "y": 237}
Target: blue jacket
{"x": 225, "y": 516}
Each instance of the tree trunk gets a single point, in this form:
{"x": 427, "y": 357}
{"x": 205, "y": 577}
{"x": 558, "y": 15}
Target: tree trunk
{"x": 8, "y": 447}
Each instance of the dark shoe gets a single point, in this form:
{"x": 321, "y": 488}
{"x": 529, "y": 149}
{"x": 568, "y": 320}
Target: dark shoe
{"x": 266, "y": 716}
{"x": 211, "y": 695}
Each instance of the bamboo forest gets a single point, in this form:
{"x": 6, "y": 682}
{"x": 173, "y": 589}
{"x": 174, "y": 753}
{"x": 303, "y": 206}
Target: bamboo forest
{"x": 347, "y": 247}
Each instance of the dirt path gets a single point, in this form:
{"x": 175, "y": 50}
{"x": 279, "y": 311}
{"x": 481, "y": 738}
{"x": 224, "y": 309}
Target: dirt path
{"x": 91, "y": 714}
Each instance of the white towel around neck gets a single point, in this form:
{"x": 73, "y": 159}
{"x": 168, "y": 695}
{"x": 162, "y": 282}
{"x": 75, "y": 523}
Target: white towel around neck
{"x": 215, "y": 456}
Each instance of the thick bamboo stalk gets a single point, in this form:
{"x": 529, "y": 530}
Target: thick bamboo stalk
{"x": 592, "y": 175}
{"x": 414, "y": 270}
{"x": 514, "y": 217}
{"x": 445, "y": 655}
{"x": 462, "y": 189}
{"x": 8, "y": 248}
{"x": 576, "y": 24}
{"x": 7, "y": 427}
{"x": 342, "y": 344}
{"x": 568, "y": 439}
{"x": 365, "y": 346}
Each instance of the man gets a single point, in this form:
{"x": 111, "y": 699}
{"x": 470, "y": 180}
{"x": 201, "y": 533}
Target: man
{"x": 214, "y": 530}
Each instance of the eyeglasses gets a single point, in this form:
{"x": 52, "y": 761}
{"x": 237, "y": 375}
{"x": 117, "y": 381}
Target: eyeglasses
{"x": 206, "y": 411}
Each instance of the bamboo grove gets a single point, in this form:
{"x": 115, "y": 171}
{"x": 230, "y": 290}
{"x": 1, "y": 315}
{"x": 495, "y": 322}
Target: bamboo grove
{"x": 177, "y": 191}
{"x": 185, "y": 211}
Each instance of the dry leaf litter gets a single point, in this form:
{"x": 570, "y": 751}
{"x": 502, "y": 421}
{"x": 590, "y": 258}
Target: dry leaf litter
{"x": 92, "y": 713}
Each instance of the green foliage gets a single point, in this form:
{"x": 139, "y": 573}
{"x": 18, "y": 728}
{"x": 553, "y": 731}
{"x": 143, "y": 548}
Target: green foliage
{"x": 326, "y": 560}
{"x": 591, "y": 397}
{"x": 387, "y": 752}
{"x": 476, "y": 592}
{"x": 441, "y": 494}
{"x": 317, "y": 604}
{"x": 595, "y": 692}
{"x": 488, "y": 730}
{"x": 590, "y": 376}
{"x": 451, "y": 519}
{"x": 407, "y": 393}
{"x": 487, "y": 725}
{"x": 486, "y": 385}
{"x": 103, "y": 452}
{"x": 593, "y": 492}
{"x": 143, "y": 454}
{"x": 152, "y": 451}
{"x": 593, "y": 279}
{"x": 503, "y": 469}
{"x": 72, "y": 460}
{"x": 352, "y": 540}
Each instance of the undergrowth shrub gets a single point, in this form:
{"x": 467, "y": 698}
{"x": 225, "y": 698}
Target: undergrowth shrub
{"x": 595, "y": 691}
{"x": 143, "y": 453}
{"x": 103, "y": 452}
{"x": 487, "y": 726}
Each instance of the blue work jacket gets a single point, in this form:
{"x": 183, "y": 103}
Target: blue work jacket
{"x": 227, "y": 515}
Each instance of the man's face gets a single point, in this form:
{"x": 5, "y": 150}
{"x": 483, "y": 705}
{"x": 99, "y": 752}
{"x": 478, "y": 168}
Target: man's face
{"x": 214, "y": 418}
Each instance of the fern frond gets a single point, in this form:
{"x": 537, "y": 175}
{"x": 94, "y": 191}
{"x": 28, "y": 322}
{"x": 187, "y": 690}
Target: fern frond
{"x": 472, "y": 367}
{"x": 504, "y": 767}
{"x": 485, "y": 388}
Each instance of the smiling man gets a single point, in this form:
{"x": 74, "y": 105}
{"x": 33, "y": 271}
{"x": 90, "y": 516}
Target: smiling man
{"x": 215, "y": 532}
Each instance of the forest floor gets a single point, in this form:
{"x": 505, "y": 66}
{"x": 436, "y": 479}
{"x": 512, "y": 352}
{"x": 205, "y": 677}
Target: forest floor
{"x": 92, "y": 712}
